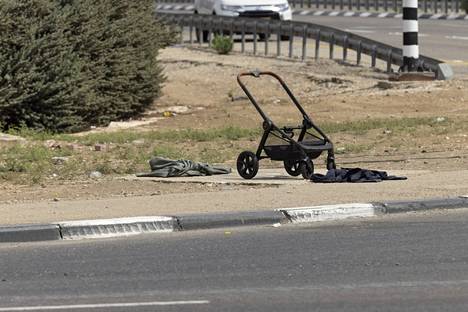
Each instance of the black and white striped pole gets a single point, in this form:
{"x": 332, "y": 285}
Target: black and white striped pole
{"x": 410, "y": 36}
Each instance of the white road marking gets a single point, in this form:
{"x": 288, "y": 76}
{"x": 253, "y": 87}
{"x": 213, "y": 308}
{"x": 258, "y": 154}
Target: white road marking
{"x": 396, "y": 33}
{"x": 104, "y": 305}
{"x": 360, "y": 31}
{"x": 452, "y": 16}
{"x": 435, "y": 16}
{"x": 456, "y": 37}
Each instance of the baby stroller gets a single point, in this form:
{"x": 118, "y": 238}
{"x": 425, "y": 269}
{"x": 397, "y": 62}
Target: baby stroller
{"x": 296, "y": 146}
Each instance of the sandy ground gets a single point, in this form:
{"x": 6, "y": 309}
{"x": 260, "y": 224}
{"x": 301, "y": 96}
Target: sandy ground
{"x": 229, "y": 197}
{"x": 204, "y": 85}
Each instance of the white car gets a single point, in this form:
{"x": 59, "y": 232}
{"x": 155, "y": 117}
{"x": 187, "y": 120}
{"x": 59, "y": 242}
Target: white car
{"x": 274, "y": 9}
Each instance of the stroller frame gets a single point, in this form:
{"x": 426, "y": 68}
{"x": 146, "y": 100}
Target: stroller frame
{"x": 296, "y": 154}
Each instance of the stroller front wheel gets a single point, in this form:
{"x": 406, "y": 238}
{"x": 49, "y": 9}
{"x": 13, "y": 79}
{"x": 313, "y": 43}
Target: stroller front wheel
{"x": 293, "y": 167}
{"x": 307, "y": 169}
{"x": 247, "y": 165}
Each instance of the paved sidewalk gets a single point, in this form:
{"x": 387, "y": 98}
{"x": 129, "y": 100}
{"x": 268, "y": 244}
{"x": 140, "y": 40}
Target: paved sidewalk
{"x": 292, "y": 192}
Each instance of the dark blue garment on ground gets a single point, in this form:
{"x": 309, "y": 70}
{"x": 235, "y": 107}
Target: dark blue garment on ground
{"x": 353, "y": 175}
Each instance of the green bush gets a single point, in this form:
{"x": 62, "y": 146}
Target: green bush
{"x": 464, "y": 5}
{"x": 222, "y": 44}
{"x": 66, "y": 65}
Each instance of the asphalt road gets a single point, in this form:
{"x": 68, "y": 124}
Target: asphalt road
{"x": 413, "y": 262}
{"x": 443, "y": 39}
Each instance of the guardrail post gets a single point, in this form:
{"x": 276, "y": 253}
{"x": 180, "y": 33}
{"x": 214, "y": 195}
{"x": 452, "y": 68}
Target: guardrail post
{"x": 317, "y": 45}
{"x": 332, "y": 46}
{"x": 191, "y": 30}
{"x": 255, "y": 38}
{"x": 231, "y": 30}
{"x": 373, "y": 56}
{"x": 181, "y": 26}
{"x": 210, "y": 32}
{"x": 358, "y": 53}
{"x": 200, "y": 32}
{"x": 410, "y": 36}
{"x": 291, "y": 40}
{"x": 267, "y": 37}
{"x": 304, "y": 43}
{"x": 243, "y": 37}
{"x": 278, "y": 40}
{"x": 389, "y": 61}
{"x": 345, "y": 48}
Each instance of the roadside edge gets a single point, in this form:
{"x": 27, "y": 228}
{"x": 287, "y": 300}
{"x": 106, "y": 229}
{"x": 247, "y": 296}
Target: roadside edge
{"x": 105, "y": 228}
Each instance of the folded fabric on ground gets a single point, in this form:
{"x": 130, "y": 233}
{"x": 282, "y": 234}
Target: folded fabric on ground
{"x": 356, "y": 175}
{"x": 163, "y": 167}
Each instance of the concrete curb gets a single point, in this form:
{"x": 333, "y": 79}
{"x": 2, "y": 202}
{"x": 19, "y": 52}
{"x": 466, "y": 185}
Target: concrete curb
{"x": 211, "y": 221}
{"x": 318, "y": 12}
{"x": 89, "y": 229}
{"x": 116, "y": 227}
{"x": 30, "y": 233}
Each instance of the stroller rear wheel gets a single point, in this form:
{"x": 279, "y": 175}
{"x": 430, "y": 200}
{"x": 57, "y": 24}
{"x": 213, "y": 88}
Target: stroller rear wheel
{"x": 247, "y": 165}
{"x": 307, "y": 169}
{"x": 293, "y": 167}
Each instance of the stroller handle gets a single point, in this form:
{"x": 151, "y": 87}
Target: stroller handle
{"x": 257, "y": 74}
{"x": 307, "y": 122}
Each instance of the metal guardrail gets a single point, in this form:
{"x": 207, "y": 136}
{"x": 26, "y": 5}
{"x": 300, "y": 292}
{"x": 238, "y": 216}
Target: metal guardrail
{"x": 426, "y": 6}
{"x": 294, "y": 31}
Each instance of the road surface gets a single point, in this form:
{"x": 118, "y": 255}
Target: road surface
{"x": 411, "y": 262}
{"x": 446, "y": 40}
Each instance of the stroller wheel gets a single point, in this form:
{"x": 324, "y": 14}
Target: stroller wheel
{"x": 247, "y": 165}
{"x": 307, "y": 169}
{"x": 293, "y": 167}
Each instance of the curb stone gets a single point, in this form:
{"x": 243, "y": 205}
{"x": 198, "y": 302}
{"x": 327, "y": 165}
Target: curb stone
{"x": 30, "y": 233}
{"x": 217, "y": 220}
{"x": 105, "y": 228}
{"x": 318, "y": 12}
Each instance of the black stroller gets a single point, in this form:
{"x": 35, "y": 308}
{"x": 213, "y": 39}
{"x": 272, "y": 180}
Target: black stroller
{"x": 296, "y": 154}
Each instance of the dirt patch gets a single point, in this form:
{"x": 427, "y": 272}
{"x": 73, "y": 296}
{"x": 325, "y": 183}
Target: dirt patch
{"x": 106, "y": 188}
{"x": 373, "y": 123}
